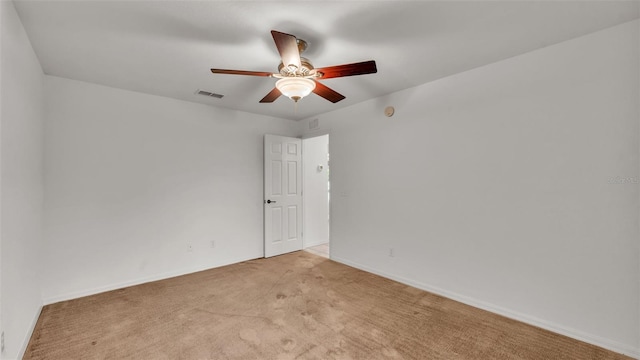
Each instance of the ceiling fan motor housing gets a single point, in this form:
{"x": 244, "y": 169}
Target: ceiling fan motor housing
{"x": 290, "y": 71}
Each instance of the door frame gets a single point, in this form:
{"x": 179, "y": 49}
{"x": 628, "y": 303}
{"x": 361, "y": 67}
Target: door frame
{"x": 304, "y": 191}
{"x": 264, "y": 227}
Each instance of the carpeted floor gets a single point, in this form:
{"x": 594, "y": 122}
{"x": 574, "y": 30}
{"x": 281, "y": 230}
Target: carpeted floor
{"x": 294, "y": 306}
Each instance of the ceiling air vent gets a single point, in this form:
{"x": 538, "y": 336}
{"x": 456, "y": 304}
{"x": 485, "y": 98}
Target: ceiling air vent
{"x": 209, "y": 93}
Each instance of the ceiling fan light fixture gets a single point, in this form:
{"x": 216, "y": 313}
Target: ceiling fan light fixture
{"x": 297, "y": 75}
{"x": 295, "y": 88}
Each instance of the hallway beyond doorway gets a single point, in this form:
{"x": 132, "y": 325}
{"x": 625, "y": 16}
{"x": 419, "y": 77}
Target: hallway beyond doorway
{"x": 320, "y": 250}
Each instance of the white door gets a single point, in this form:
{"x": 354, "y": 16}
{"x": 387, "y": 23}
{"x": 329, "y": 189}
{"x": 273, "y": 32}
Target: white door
{"x": 282, "y": 195}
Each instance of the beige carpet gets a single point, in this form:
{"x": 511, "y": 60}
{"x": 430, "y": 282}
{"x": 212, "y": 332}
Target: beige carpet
{"x": 295, "y": 306}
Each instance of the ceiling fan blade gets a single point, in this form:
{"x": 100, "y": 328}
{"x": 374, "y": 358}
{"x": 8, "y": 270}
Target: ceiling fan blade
{"x": 271, "y": 96}
{"x": 241, "y": 72}
{"x": 287, "y": 47}
{"x": 361, "y": 68}
{"x": 327, "y": 93}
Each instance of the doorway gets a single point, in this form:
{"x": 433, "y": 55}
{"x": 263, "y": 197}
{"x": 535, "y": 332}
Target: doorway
{"x": 316, "y": 195}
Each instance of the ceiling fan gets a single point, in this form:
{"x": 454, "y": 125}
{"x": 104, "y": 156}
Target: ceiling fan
{"x": 298, "y": 77}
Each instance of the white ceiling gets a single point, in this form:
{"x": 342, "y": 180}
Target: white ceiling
{"x": 167, "y": 47}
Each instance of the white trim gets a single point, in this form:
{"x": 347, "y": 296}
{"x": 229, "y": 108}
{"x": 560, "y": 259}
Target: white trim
{"x": 302, "y": 195}
{"x": 544, "y": 324}
{"x": 163, "y": 276}
{"x": 315, "y": 243}
{"x": 25, "y": 342}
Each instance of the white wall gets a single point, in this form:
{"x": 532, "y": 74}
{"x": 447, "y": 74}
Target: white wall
{"x": 132, "y": 179}
{"x": 21, "y": 187}
{"x": 500, "y": 187}
{"x": 316, "y": 190}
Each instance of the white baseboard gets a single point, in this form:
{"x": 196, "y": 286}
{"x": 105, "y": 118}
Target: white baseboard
{"x": 315, "y": 243}
{"x": 29, "y": 333}
{"x": 547, "y": 325}
{"x": 162, "y": 276}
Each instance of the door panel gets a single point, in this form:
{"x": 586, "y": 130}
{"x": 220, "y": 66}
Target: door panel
{"x": 293, "y": 228}
{"x": 292, "y": 181}
{"x": 282, "y": 195}
{"x": 276, "y": 221}
{"x": 276, "y": 178}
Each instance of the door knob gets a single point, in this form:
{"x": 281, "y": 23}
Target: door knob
{"x": 269, "y": 201}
